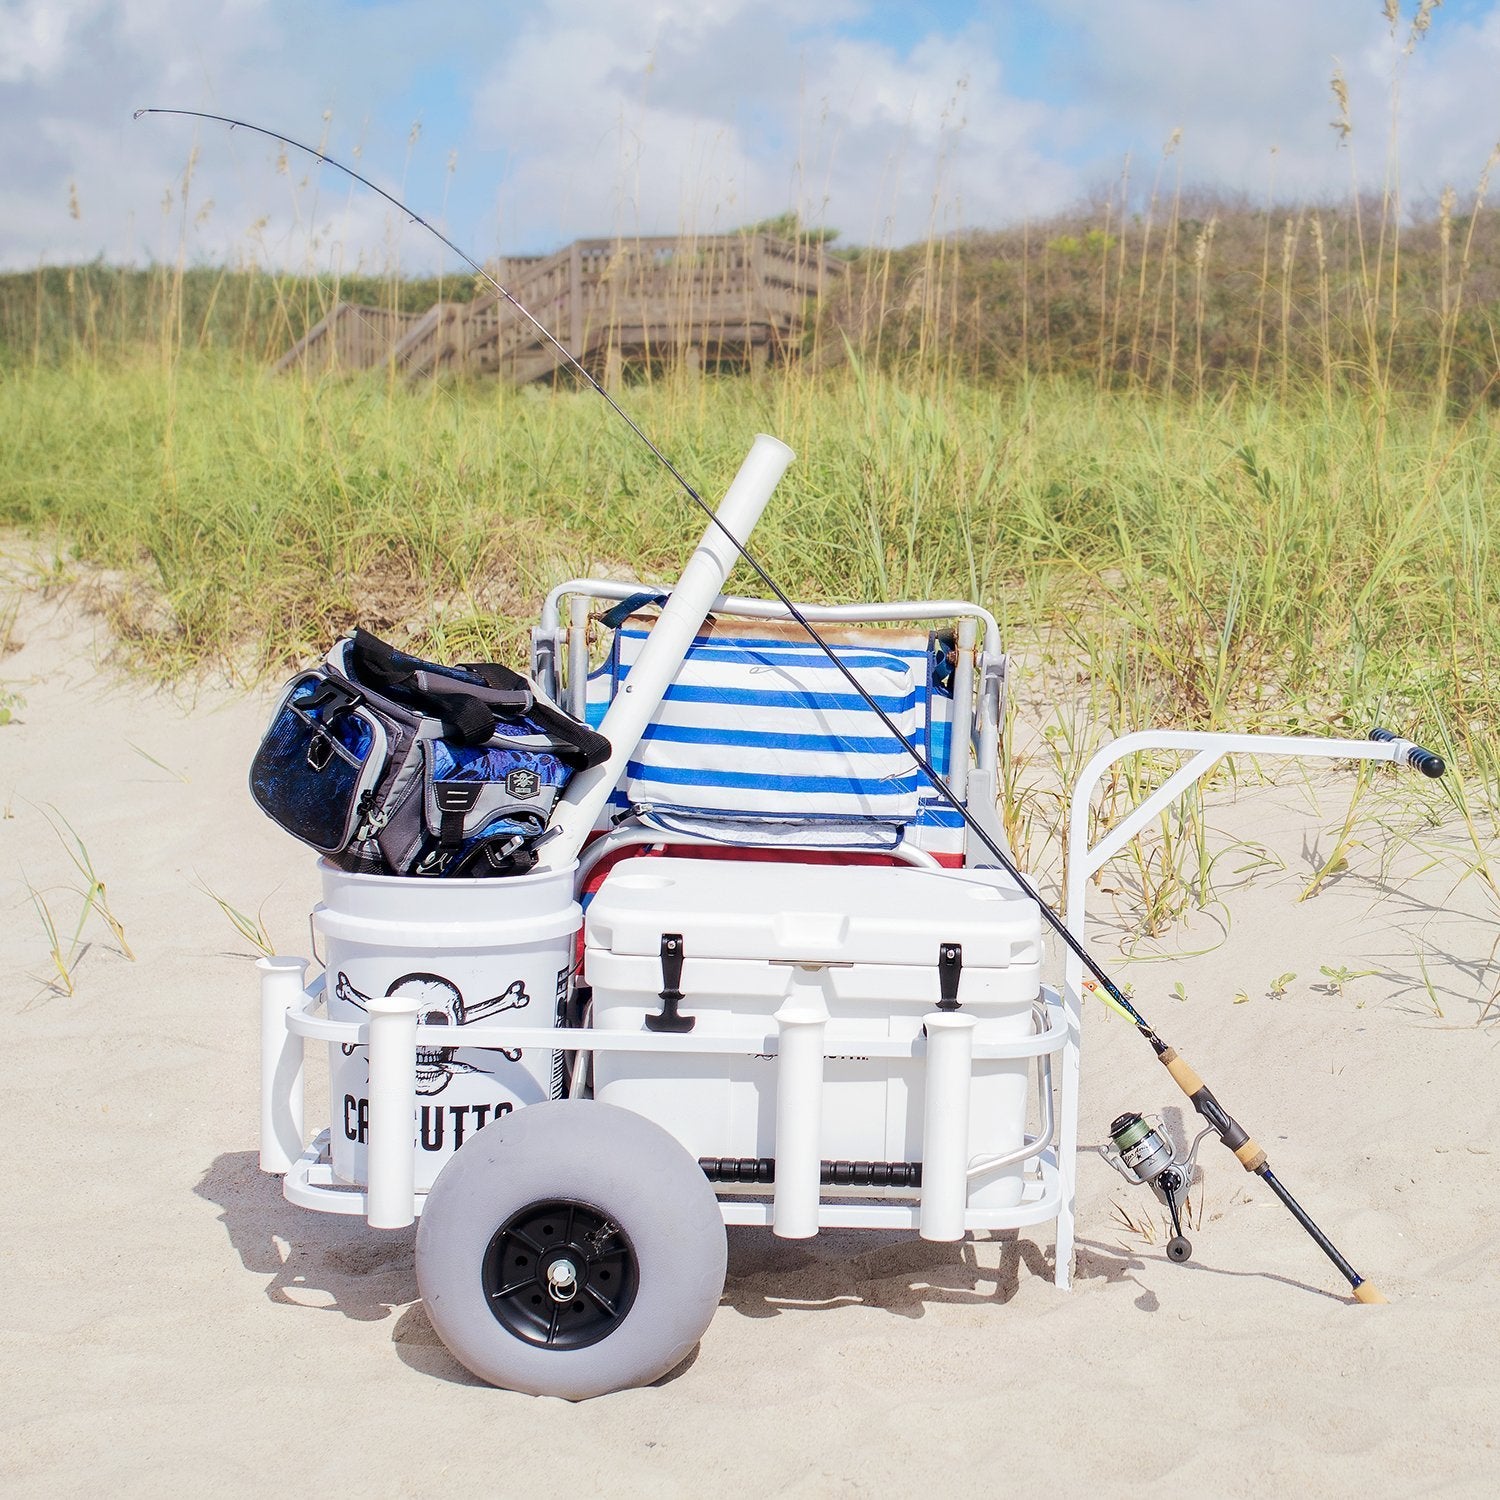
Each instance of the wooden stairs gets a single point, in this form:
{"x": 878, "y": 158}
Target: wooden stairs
{"x": 735, "y": 300}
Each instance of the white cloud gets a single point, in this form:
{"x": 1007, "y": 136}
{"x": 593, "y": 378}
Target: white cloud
{"x": 1242, "y": 79}
{"x": 34, "y": 36}
{"x": 714, "y": 116}
{"x": 580, "y": 117}
{"x": 69, "y": 128}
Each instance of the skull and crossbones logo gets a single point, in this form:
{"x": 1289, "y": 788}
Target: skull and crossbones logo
{"x": 440, "y": 1003}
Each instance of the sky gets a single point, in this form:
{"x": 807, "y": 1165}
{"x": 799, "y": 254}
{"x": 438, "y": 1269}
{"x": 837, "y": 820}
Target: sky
{"x": 519, "y": 127}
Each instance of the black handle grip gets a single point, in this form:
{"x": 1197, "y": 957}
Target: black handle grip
{"x": 1425, "y": 761}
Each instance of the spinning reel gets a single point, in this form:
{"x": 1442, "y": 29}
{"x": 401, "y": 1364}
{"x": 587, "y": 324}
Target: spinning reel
{"x": 1144, "y": 1154}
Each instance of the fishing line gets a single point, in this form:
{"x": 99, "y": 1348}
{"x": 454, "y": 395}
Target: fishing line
{"x": 938, "y": 782}
{"x": 1224, "y": 1125}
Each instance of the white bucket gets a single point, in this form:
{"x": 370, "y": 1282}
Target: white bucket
{"x": 467, "y": 951}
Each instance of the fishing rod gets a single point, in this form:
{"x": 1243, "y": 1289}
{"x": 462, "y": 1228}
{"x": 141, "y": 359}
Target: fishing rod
{"x": 1138, "y": 1152}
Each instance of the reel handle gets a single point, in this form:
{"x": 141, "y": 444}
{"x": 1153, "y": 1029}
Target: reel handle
{"x": 1426, "y": 761}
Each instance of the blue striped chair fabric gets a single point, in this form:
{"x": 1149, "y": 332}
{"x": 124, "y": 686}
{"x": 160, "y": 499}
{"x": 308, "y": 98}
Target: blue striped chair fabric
{"x": 760, "y": 738}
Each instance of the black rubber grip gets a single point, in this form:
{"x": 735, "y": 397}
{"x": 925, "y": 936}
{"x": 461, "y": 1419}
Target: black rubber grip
{"x": 1230, "y": 1131}
{"x": 762, "y": 1169}
{"x": 1428, "y": 762}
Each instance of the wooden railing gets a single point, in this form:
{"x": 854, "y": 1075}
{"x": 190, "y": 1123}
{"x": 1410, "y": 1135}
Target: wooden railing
{"x": 709, "y": 298}
{"x": 351, "y": 337}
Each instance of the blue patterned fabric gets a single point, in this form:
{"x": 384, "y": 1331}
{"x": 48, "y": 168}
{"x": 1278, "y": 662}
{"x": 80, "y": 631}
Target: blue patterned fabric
{"x": 314, "y": 765}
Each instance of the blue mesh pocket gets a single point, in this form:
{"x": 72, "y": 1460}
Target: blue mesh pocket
{"x": 318, "y": 763}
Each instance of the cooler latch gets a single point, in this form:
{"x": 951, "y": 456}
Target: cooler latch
{"x": 668, "y": 1019}
{"x": 950, "y": 966}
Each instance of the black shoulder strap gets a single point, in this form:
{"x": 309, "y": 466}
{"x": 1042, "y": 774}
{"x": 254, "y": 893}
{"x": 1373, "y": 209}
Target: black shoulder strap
{"x": 380, "y": 666}
{"x": 576, "y": 740}
{"x": 469, "y": 710}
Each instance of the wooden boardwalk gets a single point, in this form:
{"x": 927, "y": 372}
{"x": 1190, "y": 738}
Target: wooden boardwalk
{"x": 727, "y": 300}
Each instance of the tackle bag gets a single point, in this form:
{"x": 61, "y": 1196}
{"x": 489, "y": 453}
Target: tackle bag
{"x": 391, "y": 765}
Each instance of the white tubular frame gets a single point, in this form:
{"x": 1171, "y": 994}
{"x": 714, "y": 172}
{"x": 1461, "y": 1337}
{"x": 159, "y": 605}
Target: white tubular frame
{"x": 796, "y": 1039}
{"x": 1084, "y": 862}
{"x": 282, "y": 989}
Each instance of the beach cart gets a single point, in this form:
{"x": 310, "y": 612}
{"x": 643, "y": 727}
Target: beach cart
{"x": 776, "y": 980}
{"x": 777, "y": 989}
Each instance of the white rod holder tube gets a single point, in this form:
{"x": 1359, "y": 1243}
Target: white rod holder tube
{"x": 282, "y": 988}
{"x": 801, "y": 1023}
{"x": 945, "y": 1124}
{"x": 662, "y": 654}
{"x": 390, "y": 1194}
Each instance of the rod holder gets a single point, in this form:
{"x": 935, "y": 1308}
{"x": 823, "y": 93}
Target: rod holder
{"x": 282, "y": 987}
{"x": 801, "y": 1022}
{"x": 390, "y": 1193}
{"x": 945, "y": 1124}
{"x": 666, "y": 647}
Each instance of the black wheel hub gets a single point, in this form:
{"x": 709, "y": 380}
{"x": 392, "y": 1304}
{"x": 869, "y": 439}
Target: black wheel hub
{"x": 560, "y": 1274}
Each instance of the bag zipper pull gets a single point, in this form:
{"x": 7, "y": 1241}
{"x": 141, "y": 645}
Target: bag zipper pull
{"x": 370, "y": 823}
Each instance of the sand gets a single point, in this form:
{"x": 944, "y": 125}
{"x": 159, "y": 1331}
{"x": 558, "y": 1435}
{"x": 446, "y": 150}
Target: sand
{"x": 170, "y": 1323}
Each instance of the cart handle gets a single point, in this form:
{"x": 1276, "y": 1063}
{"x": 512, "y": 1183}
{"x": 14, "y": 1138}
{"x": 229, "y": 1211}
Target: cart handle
{"x": 1425, "y": 761}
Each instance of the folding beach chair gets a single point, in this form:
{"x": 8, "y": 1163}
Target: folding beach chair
{"x": 761, "y": 743}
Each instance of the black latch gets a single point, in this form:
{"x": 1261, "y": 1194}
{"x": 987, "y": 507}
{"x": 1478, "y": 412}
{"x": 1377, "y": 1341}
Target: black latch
{"x": 950, "y": 966}
{"x": 329, "y": 699}
{"x": 668, "y": 1018}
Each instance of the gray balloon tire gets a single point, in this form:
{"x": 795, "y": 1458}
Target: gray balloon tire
{"x": 616, "y": 1161}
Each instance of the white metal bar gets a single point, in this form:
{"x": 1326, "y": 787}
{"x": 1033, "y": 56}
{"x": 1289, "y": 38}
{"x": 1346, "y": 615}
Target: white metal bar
{"x": 310, "y": 1183}
{"x": 1208, "y": 749}
{"x": 961, "y": 733}
{"x": 487, "y": 1034}
{"x": 1211, "y": 748}
{"x": 1166, "y": 794}
{"x": 991, "y": 708}
{"x": 800, "y": 1024}
{"x": 281, "y": 1082}
{"x": 740, "y": 606}
{"x": 391, "y": 1155}
{"x": 1031, "y": 1145}
{"x": 1067, "y": 1139}
{"x": 945, "y": 1123}
{"x": 578, "y": 655}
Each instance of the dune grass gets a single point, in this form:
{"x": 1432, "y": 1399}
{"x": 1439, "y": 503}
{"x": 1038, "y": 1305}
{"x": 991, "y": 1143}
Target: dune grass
{"x": 1240, "y": 562}
{"x": 1298, "y": 561}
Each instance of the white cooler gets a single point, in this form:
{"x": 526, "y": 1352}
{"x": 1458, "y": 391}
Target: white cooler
{"x": 868, "y": 938}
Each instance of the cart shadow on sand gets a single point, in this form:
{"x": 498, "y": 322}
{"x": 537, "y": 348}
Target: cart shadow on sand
{"x": 323, "y": 1264}
{"x": 318, "y": 1263}
{"x": 336, "y": 1265}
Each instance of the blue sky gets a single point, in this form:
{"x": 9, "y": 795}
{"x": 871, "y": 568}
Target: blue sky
{"x": 540, "y": 122}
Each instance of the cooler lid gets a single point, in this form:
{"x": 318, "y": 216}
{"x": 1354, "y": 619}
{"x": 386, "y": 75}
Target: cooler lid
{"x": 868, "y": 914}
